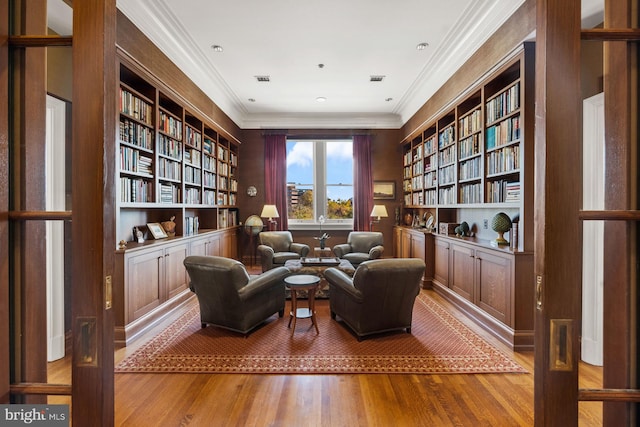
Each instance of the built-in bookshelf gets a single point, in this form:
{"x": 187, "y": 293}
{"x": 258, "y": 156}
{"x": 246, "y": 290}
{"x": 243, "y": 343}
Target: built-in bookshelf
{"x": 478, "y": 152}
{"x": 172, "y": 161}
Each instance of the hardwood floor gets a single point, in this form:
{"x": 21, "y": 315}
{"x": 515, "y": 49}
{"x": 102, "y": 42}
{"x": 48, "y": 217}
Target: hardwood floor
{"x": 332, "y": 400}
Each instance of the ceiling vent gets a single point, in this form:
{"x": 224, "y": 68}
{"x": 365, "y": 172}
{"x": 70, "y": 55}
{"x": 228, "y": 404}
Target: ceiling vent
{"x": 263, "y": 78}
{"x": 376, "y": 78}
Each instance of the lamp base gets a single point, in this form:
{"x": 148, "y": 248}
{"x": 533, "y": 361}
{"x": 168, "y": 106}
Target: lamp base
{"x": 500, "y": 240}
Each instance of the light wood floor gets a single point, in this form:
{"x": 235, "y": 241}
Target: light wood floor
{"x": 332, "y": 400}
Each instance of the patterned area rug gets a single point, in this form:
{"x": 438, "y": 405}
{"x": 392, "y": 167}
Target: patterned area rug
{"x": 439, "y": 344}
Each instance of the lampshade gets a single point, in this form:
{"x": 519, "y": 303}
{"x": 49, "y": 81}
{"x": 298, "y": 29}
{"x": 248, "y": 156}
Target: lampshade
{"x": 269, "y": 211}
{"x": 379, "y": 211}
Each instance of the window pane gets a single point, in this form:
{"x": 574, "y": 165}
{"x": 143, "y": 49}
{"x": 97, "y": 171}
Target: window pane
{"x": 339, "y": 177}
{"x": 300, "y": 162}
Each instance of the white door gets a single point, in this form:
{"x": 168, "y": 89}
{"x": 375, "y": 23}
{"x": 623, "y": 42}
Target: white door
{"x": 55, "y": 201}
{"x": 593, "y": 231}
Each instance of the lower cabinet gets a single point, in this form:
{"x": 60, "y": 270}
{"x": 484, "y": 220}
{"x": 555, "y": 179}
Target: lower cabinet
{"x": 415, "y": 243}
{"x": 494, "y": 286}
{"x": 151, "y": 281}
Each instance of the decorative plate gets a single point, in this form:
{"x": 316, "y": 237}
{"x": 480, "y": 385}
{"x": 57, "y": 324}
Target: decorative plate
{"x": 430, "y": 220}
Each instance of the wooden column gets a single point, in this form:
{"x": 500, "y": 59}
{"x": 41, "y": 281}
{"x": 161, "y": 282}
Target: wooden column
{"x": 620, "y": 276}
{"x": 93, "y": 205}
{"x": 4, "y": 203}
{"x": 558, "y": 232}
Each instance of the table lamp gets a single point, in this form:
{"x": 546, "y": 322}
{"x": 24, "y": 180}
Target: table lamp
{"x": 270, "y": 211}
{"x": 378, "y": 211}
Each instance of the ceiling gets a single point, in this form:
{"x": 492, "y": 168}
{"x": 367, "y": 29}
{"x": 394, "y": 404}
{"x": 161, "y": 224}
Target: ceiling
{"x": 328, "y": 48}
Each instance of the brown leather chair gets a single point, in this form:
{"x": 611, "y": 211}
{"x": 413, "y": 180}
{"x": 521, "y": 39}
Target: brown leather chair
{"x": 361, "y": 246}
{"x": 232, "y": 299}
{"x": 380, "y": 296}
{"x": 276, "y": 247}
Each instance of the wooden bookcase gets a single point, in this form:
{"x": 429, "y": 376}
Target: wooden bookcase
{"x": 478, "y": 154}
{"x": 173, "y": 163}
{"x": 473, "y": 160}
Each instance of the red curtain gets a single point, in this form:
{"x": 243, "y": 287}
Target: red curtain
{"x": 275, "y": 176}
{"x": 362, "y": 183}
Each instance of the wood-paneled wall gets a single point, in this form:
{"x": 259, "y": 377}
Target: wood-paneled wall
{"x": 386, "y": 162}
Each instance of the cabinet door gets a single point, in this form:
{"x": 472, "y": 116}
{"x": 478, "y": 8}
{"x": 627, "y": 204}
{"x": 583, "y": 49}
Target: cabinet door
{"x": 405, "y": 244}
{"x": 417, "y": 245}
{"x": 175, "y": 273}
{"x": 198, "y": 247}
{"x": 145, "y": 276}
{"x": 441, "y": 262}
{"x": 462, "y": 277}
{"x": 494, "y": 274}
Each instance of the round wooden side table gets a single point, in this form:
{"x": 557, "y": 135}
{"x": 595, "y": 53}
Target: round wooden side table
{"x": 302, "y": 282}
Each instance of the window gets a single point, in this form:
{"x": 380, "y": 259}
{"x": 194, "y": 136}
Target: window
{"x": 320, "y": 183}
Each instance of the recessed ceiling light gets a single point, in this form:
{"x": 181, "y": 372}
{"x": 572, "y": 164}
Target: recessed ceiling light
{"x": 263, "y": 78}
{"x": 251, "y": 100}
{"x": 376, "y": 78}
{"x": 388, "y": 99}
{"x": 321, "y": 99}
{"x": 422, "y": 46}
{"x": 217, "y": 48}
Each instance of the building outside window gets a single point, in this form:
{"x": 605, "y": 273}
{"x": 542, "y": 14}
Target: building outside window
{"x": 320, "y": 183}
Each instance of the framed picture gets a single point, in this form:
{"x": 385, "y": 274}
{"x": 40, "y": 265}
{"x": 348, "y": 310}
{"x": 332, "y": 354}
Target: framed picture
{"x": 156, "y": 230}
{"x": 384, "y": 190}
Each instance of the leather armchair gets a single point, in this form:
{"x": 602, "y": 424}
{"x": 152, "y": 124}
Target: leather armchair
{"x": 380, "y": 296}
{"x": 229, "y": 297}
{"x": 361, "y": 246}
{"x": 276, "y": 247}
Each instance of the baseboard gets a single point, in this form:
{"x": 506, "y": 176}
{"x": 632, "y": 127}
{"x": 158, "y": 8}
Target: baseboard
{"x": 517, "y": 340}
{"x": 125, "y": 335}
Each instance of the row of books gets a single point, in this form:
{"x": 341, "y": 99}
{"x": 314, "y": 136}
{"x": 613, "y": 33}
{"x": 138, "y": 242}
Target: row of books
{"x": 191, "y": 225}
{"x": 470, "y": 169}
{"x": 192, "y": 195}
{"x": 446, "y": 137}
{"x": 192, "y": 157}
{"x": 431, "y": 197}
{"x": 135, "y": 107}
{"x": 227, "y": 218}
{"x": 503, "y": 191}
{"x": 135, "y": 190}
{"x": 504, "y": 133}
{"x": 132, "y": 160}
{"x": 169, "y": 169}
{"x": 470, "y": 123}
{"x": 209, "y": 179}
{"x": 136, "y": 134}
{"x": 471, "y": 193}
{"x": 504, "y": 160}
{"x": 193, "y": 137}
{"x": 418, "y": 167}
{"x": 170, "y": 125}
{"x": 169, "y": 147}
{"x": 447, "y": 175}
{"x": 430, "y": 179}
{"x": 416, "y": 183}
{"x": 207, "y": 146}
{"x": 469, "y": 146}
{"x": 448, "y": 155}
{"x": 192, "y": 175}
{"x": 447, "y": 196}
{"x": 503, "y": 104}
{"x": 169, "y": 193}
{"x": 209, "y": 164}
{"x": 430, "y": 145}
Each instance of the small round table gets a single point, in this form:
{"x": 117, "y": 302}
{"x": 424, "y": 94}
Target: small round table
{"x": 302, "y": 282}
